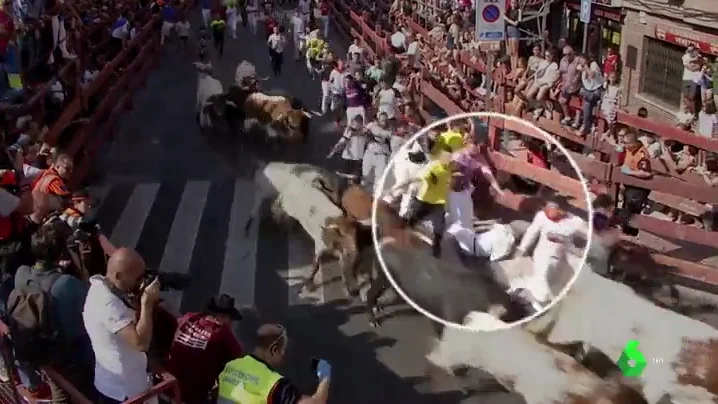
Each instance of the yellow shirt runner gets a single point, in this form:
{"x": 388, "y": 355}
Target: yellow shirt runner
{"x": 435, "y": 183}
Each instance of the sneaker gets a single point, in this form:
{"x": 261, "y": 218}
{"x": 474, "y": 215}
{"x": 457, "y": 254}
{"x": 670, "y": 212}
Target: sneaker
{"x": 4, "y": 376}
{"x": 537, "y": 113}
{"x": 566, "y": 121}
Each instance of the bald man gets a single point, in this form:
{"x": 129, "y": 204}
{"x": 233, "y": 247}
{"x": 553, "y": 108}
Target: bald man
{"x": 120, "y": 335}
{"x": 267, "y": 384}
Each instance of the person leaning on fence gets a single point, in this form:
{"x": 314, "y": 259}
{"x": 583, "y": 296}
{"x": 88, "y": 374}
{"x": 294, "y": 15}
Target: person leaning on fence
{"x": 252, "y": 378}
{"x": 202, "y": 345}
{"x": 636, "y": 163}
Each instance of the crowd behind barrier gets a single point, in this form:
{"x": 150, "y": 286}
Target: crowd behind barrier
{"x": 82, "y": 120}
{"x": 690, "y": 192}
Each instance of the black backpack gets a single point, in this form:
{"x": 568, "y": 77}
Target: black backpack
{"x": 31, "y": 321}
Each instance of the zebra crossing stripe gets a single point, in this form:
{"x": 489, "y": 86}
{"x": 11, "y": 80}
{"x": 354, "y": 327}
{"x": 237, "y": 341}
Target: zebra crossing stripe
{"x": 180, "y": 243}
{"x": 240, "y": 256}
{"x": 129, "y": 227}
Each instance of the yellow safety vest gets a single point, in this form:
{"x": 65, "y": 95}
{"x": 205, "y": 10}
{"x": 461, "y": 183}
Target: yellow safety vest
{"x": 246, "y": 381}
{"x": 435, "y": 193}
{"x": 454, "y": 141}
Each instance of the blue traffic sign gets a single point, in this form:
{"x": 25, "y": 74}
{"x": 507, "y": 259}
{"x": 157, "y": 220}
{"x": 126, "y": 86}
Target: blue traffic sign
{"x": 585, "y": 15}
{"x": 491, "y": 13}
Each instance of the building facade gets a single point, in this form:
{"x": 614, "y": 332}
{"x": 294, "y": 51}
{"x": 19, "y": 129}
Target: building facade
{"x": 655, "y": 36}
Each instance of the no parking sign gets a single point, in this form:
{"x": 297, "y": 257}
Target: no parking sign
{"x": 490, "y": 24}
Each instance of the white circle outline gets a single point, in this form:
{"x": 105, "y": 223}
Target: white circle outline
{"x": 379, "y": 191}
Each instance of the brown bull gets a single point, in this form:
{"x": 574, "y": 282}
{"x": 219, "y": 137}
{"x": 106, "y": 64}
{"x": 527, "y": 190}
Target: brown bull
{"x": 279, "y": 115}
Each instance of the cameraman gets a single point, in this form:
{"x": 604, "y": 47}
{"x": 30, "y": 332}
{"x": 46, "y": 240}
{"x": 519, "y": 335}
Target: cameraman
{"x": 118, "y": 318}
{"x": 268, "y": 385}
{"x": 81, "y": 204}
{"x": 74, "y": 353}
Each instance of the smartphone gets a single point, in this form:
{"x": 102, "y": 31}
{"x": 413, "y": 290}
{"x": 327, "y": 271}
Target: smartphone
{"x": 321, "y": 368}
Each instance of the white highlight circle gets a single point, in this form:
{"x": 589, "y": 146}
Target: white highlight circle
{"x": 378, "y": 194}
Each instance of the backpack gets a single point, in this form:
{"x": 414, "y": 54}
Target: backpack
{"x": 30, "y": 320}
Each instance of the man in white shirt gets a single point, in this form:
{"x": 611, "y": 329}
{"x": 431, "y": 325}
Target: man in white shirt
{"x": 413, "y": 52}
{"x": 304, "y": 8}
{"x": 551, "y": 234}
{"x": 298, "y": 28}
{"x": 119, "y": 336}
{"x": 692, "y": 74}
{"x": 355, "y": 49}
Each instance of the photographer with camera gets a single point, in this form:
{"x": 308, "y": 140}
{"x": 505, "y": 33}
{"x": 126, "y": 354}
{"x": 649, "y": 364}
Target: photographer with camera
{"x": 267, "y": 385}
{"x": 118, "y": 317}
{"x": 45, "y": 316}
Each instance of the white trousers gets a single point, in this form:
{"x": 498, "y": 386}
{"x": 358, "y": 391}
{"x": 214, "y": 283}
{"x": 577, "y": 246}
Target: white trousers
{"x": 206, "y": 15}
{"x": 330, "y": 102}
{"x": 355, "y": 111}
{"x": 232, "y": 22}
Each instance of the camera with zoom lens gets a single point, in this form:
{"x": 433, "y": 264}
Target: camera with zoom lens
{"x": 168, "y": 280}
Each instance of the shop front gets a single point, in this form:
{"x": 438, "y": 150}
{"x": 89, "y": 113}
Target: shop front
{"x": 652, "y": 50}
{"x": 604, "y": 29}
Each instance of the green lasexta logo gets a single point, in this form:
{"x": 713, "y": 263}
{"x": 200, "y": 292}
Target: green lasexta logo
{"x": 632, "y": 362}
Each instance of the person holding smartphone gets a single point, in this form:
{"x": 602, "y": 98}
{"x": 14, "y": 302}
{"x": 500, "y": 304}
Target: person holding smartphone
{"x": 252, "y": 378}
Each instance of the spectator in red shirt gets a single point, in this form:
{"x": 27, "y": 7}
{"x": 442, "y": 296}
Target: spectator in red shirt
{"x": 7, "y": 28}
{"x": 611, "y": 62}
{"x": 202, "y": 345}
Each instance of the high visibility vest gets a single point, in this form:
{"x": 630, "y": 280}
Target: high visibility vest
{"x": 246, "y": 381}
{"x": 454, "y": 141}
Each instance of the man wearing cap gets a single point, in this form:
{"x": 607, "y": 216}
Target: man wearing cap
{"x": 253, "y": 380}
{"x": 81, "y": 204}
{"x": 203, "y": 344}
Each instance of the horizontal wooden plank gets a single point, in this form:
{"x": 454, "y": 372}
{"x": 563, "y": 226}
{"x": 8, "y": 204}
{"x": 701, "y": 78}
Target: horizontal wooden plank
{"x": 667, "y": 131}
{"x": 552, "y": 179}
{"x": 438, "y": 98}
{"x": 677, "y": 202}
{"x": 669, "y": 186}
{"x": 675, "y": 231}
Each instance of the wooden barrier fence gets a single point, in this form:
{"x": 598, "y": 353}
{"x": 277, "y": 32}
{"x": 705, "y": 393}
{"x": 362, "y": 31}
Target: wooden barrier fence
{"x": 685, "y": 189}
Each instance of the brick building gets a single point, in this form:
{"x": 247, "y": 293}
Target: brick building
{"x": 654, "y": 38}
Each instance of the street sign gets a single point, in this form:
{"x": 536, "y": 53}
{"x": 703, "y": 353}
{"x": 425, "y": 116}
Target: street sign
{"x": 585, "y": 11}
{"x": 490, "y": 25}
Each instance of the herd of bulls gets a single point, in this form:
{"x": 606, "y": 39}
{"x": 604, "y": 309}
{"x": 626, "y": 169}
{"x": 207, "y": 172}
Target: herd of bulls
{"x": 551, "y": 359}
{"x": 278, "y": 120}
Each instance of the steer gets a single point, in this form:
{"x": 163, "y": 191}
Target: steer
{"x": 605, "y": 315}
{"x": 523, "y": 365}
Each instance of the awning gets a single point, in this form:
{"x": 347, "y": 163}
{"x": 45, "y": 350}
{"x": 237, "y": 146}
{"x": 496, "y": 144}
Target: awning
{"x": 706, "y": 43}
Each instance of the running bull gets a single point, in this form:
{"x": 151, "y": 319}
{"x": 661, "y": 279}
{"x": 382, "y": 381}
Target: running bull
{"x": 279, "y": 117}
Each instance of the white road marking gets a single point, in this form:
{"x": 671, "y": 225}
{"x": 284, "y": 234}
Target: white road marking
{"x": 129, "y": 228}
{"x": 183, "y": 234}
{"x": 240, "y": 256}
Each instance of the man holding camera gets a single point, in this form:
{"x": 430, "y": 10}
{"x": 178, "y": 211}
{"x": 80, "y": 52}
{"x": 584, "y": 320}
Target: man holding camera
{"x": 252, "y": 378}
{"x": 118, "y": 317}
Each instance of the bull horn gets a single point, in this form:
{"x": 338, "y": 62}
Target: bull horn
{"x": 497, "y": 310}
{"x": 332, "y": 226}
{"x": 307, "y": 114}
